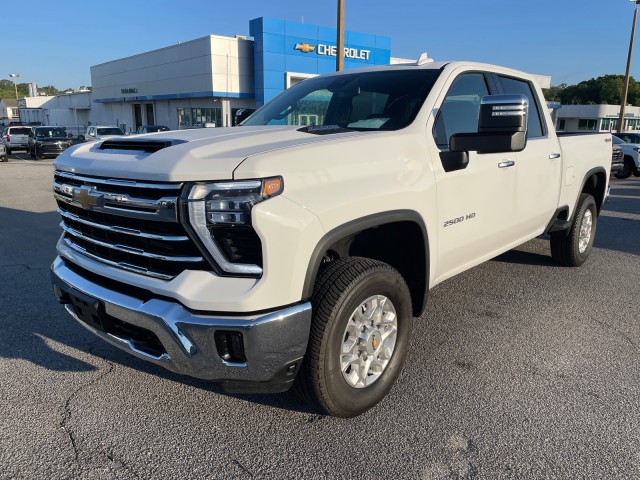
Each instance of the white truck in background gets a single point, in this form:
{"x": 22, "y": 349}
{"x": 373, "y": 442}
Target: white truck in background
{"x": 275, "y": 254}
{"x": 100, "y": 132}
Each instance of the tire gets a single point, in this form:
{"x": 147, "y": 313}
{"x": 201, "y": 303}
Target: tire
{"x": 571, "y": 248}
{"x": 81, "y": 138}
{"x": 627, "y": 169}
{"x": 346, "y": 383}
{"x": 5, "y": 158}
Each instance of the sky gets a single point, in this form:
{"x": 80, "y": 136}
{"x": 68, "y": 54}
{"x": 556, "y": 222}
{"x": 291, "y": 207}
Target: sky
{"x": 571, "y": 41}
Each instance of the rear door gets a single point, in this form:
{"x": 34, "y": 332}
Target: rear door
{"x": 538, "y": 168}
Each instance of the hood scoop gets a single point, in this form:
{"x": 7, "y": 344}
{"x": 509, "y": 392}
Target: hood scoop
{"x": 149, "y": 146}
{"x": 324, "y": 129}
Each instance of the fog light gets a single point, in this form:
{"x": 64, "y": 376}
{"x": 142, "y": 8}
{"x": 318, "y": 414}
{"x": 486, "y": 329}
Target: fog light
{"x": 230, "y": 346}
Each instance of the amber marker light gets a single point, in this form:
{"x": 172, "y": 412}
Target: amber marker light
{"x": 272, "y": 186}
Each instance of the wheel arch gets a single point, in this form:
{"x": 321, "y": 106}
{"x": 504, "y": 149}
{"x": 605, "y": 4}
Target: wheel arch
{"x": 595, "y": 184}
{"x": 397, "y": 237}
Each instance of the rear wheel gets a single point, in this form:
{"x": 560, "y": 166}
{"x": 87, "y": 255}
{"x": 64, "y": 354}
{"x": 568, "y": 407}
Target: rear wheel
{"x": 627, "y": 168}
{"x": 572, "y": 248}
{"x": 359, "y": 336}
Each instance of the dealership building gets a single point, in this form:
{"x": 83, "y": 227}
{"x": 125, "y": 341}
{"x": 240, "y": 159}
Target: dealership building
{"x": 203, "y": 82}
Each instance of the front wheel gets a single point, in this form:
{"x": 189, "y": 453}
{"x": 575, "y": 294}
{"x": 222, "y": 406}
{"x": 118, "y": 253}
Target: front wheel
{"x": 572, "y": 248}
{"x": 359, "y": 336}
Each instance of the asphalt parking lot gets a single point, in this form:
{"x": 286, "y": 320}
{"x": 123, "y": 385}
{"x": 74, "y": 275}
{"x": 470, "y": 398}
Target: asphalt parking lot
{"x": 519, "y": 369}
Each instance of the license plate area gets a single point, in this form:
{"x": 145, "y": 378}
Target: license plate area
{"x": 88, "y": 309}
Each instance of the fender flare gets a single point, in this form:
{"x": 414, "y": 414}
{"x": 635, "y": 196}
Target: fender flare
{"x": 355, "y": 226}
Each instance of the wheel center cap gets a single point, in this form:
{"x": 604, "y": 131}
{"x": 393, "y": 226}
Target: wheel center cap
{"x": 373, "y": 342}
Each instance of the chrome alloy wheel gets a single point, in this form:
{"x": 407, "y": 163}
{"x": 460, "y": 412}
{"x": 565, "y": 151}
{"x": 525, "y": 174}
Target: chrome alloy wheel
{"x": 369, "y": 341}
{"x": 586, "y": 227}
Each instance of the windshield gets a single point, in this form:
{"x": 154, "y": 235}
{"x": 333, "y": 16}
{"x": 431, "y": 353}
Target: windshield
{"x": 380, "y": 100}
{"x": 617, "y": 141}
{"x": 50, "y": 132}
{"x": 110, "y": 131}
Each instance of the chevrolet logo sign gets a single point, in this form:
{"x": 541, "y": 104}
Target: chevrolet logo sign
{"x": 85, "y": 197}
{"x": 304, "y": 47}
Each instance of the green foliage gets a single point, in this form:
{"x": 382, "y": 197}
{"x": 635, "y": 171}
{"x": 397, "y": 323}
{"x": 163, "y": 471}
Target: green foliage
{"x": 8, "y": 91}
{"x": 602, "y": 90}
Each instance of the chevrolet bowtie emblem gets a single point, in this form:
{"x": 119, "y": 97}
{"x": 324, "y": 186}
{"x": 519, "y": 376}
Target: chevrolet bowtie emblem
{"x": 85, "y": 196}
{"x": 304, "y": 47}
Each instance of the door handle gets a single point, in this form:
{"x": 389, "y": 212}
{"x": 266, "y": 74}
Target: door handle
{"x": 554, "y": 155}
{"x": 506, "y": 163}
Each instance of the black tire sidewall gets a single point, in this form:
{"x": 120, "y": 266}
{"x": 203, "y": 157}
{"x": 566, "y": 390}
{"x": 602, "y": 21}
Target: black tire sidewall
{"x": 352, "y": 400}
{"x": 587, "y": 203}
{"x": 627, "y": 169}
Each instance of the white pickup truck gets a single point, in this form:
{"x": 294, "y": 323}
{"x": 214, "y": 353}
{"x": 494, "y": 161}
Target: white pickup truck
{"x": 100, "y": 132}
{"x": 275, "y": 254}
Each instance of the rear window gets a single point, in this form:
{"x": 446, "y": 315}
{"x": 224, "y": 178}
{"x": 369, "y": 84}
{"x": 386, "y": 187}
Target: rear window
{"x": 18, "y": 131}
{"x": 110, "y": 131}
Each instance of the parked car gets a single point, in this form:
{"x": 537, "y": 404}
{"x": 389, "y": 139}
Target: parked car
{"x": 16, "y": 138}
{"x": 4, "y": 156}
{"x": 629, "y": 137}
{"x": 617, "y": 155}
{"x": 152, "y": 129}
{"x": 631, "y": 150}
{"x": 100, "y": 132}
{"x": 47, "y": 140}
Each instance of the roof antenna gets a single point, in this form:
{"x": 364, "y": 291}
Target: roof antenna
{"x": 423, "y": 59}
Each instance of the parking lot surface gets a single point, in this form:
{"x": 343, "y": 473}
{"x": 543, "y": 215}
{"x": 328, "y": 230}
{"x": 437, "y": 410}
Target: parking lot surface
{"x": 519, "y": 369}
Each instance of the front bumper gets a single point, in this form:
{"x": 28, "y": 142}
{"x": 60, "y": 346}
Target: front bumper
{"x": 165, "y": 333}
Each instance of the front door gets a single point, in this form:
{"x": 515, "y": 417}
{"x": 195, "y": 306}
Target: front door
{"x": 475, "y": 204}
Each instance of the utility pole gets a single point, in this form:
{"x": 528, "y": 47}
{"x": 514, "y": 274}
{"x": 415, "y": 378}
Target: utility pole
{"x": 15, "y": 85}
{"x": 340, "y": 42}
{"x": 626, "y": 75}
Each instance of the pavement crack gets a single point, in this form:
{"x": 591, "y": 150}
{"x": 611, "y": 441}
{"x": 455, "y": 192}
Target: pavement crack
{"x": 66, "y": 417}
{"x": 245, "y": 469}
{"x": 619, "y": 332}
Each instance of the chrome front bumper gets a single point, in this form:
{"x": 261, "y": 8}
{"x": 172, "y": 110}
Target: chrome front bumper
{"x": 183, "y": 341}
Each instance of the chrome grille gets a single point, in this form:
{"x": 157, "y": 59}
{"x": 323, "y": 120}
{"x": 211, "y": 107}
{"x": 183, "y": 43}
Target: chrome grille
{"x": 126, "y": 224}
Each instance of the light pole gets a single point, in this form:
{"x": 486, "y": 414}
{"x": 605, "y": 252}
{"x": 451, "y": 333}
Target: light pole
{"x": 626, "y": 75}
{"x": 16, "y": 75}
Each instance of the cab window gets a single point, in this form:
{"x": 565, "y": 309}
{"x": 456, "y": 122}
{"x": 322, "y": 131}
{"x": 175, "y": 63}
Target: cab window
{"x": 520, "y": 87}
{"x": 460, "y": 108}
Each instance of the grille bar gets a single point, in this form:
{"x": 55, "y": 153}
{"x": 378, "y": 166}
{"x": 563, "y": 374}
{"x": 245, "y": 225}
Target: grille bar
{"x": 127, "y": 249}
{"x": 122, "y": 265}
{"x": 117, "y": 181}
{"x": 125, "y": 230}
{"x": 89, "y": 197}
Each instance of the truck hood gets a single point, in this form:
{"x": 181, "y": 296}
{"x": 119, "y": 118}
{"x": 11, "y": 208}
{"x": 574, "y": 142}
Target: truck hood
{"x": 191, "y": 155}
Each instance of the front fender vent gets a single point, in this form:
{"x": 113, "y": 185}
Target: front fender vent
{"x": 149, "y": 146}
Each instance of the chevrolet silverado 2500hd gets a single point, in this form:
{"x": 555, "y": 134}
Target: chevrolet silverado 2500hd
{"x": 297, "y": 248}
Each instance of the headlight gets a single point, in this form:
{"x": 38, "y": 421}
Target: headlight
{"x": 220, "y": 215}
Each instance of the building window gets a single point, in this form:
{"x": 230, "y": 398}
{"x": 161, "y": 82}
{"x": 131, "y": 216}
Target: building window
{"x": 561, "y": 124}
{"x": 606, "y": 124}
{"x": 587, "y": 124}
{"x": 199, "y": 117}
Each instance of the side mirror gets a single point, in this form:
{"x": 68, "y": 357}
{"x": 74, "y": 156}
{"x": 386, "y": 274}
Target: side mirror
{"x": 502, "y": 126}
